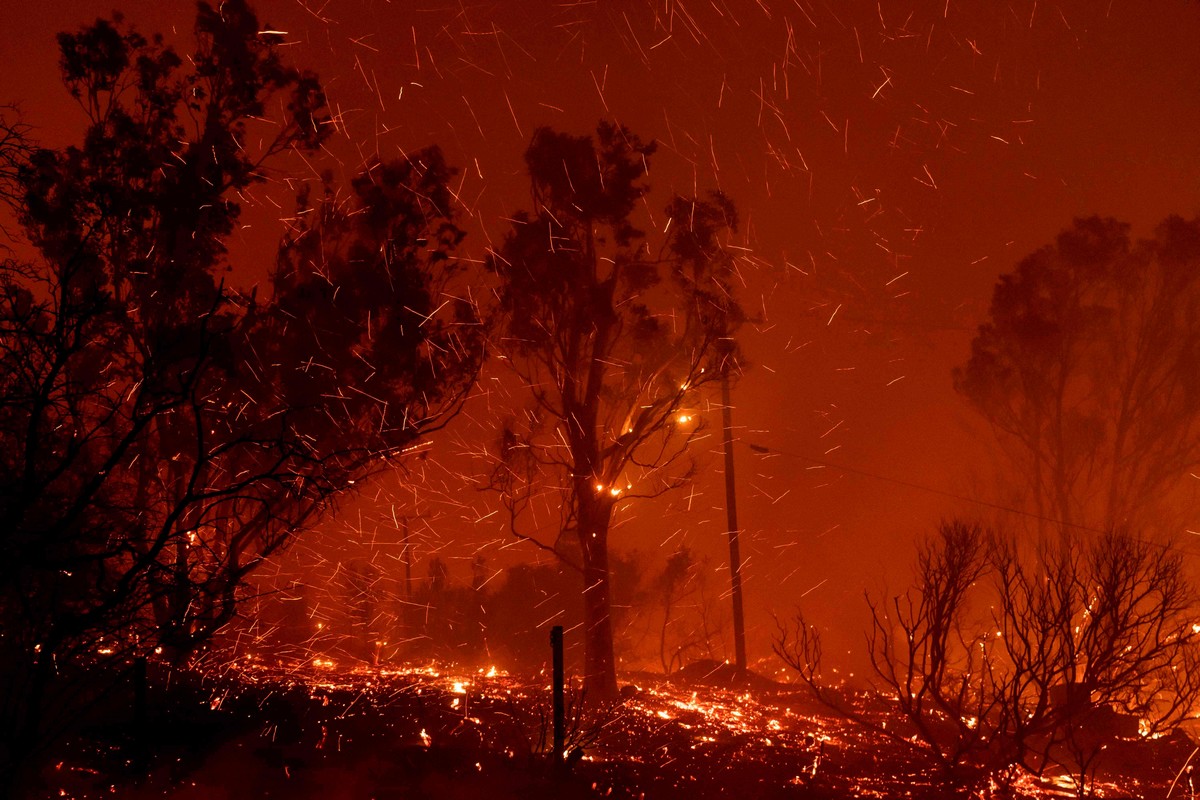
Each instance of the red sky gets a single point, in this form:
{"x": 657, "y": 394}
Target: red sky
{"x": 889, "y": 160}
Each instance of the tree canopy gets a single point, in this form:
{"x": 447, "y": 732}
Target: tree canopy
{"x": 1089, "y": 372}
{"x": 164, "y": 431}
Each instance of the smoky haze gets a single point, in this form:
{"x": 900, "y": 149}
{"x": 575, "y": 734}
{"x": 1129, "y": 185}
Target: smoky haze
{"x": 891, "y": 166}
{"x": 887, "y": 169}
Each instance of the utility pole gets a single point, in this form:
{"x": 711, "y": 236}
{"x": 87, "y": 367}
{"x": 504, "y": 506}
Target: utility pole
{"x": 407, "y": 623}
{"x": 407, "y": 564}
{"x": 735, "y": 558}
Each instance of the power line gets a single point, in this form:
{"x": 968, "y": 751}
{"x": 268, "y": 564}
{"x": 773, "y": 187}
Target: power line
{"x": 757, "y": 448}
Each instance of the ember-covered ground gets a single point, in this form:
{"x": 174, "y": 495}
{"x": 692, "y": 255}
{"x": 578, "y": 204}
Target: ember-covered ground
{"x": 318, "y": 729}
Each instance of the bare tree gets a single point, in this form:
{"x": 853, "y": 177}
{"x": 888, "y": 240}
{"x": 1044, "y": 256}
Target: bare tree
{"x": 612, "y": 342}
{"x": 1086, "y": 641}
{"x": 925, "y": 659}
{"x": 1092, "y": 629}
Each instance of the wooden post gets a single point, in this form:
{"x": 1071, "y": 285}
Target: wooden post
{"x": 560, "y": 726}
{"x": 141, "y": 715}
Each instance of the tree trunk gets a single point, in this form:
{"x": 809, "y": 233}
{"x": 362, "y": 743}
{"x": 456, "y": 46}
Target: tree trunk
{"x": 141, "y": 716}
{"x": 600, "y": 668}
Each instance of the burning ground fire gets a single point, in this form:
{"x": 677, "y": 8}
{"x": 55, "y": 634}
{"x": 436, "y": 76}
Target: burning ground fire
{"x": 307, "y": 723}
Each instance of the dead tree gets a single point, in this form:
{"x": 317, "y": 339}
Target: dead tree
{"x": 1087, "y": 640}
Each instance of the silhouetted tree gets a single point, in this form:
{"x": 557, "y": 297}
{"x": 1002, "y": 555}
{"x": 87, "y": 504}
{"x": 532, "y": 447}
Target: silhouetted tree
{"x": 924, "y": 656}
{"x": 449, "y": 616}
{"x": 372, "y": 288}
{"x": 1085, "y": 640}
{"x": 611, "y": 340}
{"x": 362, "y": 599}
{"x": 163, "y": 433}
{"x": 15, "y": 147}
{"x": 1089, "y": 372}
{"x": 1090, "y": 628}
{"x": 681, "y": 587}
{"x": 522, "y": 605}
